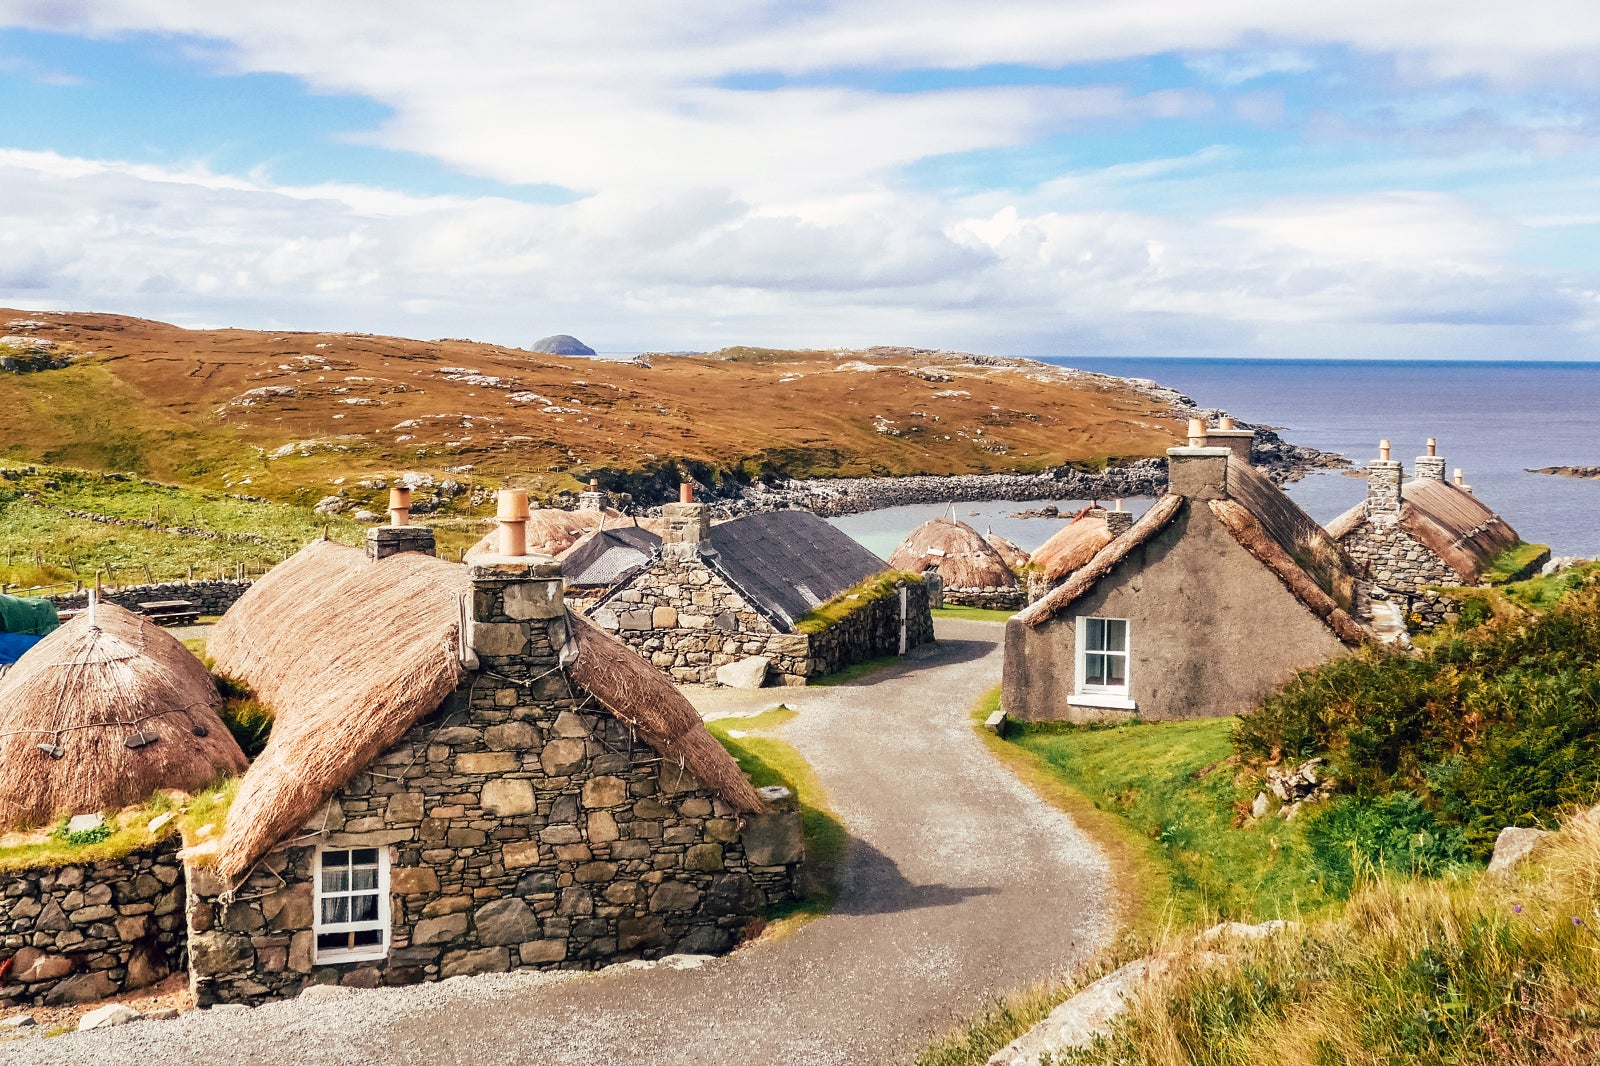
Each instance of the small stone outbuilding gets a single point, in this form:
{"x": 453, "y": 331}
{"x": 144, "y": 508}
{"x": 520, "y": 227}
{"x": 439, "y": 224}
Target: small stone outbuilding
{"x": 1409, "y": 537}
{"x": 735, "y": 593}
{"x": 1210, "y": 600}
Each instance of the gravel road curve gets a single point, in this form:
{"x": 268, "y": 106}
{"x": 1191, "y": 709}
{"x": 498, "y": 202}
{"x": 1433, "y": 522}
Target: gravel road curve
{"x": 959, "y": 884}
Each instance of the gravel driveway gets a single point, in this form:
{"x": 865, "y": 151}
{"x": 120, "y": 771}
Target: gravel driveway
{"x": 959, "y": 884}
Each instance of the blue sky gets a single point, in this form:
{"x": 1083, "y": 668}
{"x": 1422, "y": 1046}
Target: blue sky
{"x": 1240, "y": 179}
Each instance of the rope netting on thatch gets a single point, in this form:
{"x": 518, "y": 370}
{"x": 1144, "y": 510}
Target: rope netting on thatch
{"x": 1072, "y": 546}
{"x": 960, "y": 554}
{"x": 86, "y": 691}
{"x": 348, "y": 654}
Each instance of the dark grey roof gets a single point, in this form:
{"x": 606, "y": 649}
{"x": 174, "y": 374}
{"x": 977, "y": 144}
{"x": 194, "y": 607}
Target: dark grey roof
{"x": 787, "y": 562}
{"x": 608, "y": 556}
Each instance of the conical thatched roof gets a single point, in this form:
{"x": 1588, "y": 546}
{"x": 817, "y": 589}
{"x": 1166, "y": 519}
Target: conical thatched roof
{"x": 349, "y": 654}
{"x": 1073, "y": 545}
{"x": 88, "y": 689}
{"x": 552, "y": 531}
{"x": 1010, "y": 551}
{"x": 960, "y": 554}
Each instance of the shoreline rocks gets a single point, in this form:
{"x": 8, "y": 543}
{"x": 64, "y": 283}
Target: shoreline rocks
{"x": 1581, "y": 472}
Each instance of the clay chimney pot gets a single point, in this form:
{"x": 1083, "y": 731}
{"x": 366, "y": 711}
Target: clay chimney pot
{"x": 1197, "y": 433}
{"x": 400, "y": 505}
{"x": 512, "y": 505}
{"x": 686, "y": 492}
{"x": 1383, "y": 450}
{"x": 1433, "y": 446}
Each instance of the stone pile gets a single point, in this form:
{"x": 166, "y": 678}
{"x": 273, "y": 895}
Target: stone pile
{"x": 1293, "y": 787}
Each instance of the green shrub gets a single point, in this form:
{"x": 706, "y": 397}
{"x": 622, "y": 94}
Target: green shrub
{"x": 1385, "y": 834}
{"x": 1475, "y": 611}
{"x": 81, "y": 837}
{"x": 249, "y": 721}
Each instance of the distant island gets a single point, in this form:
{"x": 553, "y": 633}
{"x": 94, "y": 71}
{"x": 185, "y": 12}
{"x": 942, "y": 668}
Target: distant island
{"x": 1569, "y": 471}
{"x": 561, "y": 344}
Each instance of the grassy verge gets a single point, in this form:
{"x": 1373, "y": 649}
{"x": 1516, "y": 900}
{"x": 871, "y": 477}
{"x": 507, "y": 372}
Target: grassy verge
{"x": 769, "y": 761}
{"x": 1514, "y": 564}
{"x": 973, "y": 614}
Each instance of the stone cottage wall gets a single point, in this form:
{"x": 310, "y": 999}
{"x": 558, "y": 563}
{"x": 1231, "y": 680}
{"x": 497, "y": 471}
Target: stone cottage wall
{"x": 79, "y": 933}
{"x": 991, "y": 597}
{"x": 683, "y": 617}
{"x": 1394, "y": 560}
{"x": 873, "y": 630}
{"x": 211, "y": 597}
{"x": 526, "y": 827}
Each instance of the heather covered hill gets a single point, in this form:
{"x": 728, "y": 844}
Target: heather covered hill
{"x": 284, "y": 413}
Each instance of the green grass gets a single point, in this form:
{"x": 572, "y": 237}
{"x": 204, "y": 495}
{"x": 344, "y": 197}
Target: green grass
{"x": 129, "y": 830}
{"x": 973, "y": 614}
{"x": 768, "y": 760}
{"x": 1174, "y": 789}
{"x": 829, "y": 614}
{"x": 1514, "y": 563}
{"x": 1542, "y": 593}
{"x": 856, "y": 671}
{"x": 1001, "y": 1021}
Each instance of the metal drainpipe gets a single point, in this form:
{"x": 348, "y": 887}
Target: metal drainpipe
{"x": 902, "y": 619}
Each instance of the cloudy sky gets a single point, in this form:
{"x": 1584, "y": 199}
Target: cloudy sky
{"x": 1146, "y": 177}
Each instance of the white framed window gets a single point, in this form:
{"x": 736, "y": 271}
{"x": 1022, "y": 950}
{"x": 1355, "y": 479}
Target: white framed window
{"x": 352, "y": 895}
{"x": 1102, "y": 666}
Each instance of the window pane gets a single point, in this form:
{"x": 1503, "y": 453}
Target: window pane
{"x": 1116, "y": 670}
{"x": 332, "y": 941}
{"x": 1116, "y": 634}
{"x": 366, "y": 938}
{"x": 335, "y": 880}
{"x": 364, "y": 880}
{"x": 364, "y": 857}
{"x": 1095, "y": 638}
{"x": 335, "y": 858}
{"x": 336, "y": 910}
{"x": 363, "y": 908}
{"x": 1094, "y": 669}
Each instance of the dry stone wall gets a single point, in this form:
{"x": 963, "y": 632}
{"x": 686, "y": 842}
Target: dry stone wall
{"x": 525, "y": 827}
{"x": 78, "y": 933}
{"x": 1394, "y": 560}
{"x": 210, "y": 597}
{"x": 991, "y": 597}
{"x": 682, "y": 616}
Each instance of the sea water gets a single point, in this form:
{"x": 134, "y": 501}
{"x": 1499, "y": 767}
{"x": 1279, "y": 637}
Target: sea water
{"x": 1494, "y": 420}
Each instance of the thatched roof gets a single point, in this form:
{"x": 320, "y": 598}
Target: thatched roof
{"x": 1073, "y": 545}
{"x": 1010, "y": 552}
{"x": 1266, "y": 523}
{"x": 1104, "y": 561}
{"x": 784, "y": 563}
{"x": 1452, "y": 523}
{"x": 349, "y": 654}
{"x": 89, "y": 689}
{"x": 552, "y": 531}
{"x": 958, "y": 552}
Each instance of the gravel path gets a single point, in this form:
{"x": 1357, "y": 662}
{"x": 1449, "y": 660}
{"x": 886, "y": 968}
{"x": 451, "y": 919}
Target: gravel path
{"x": 959, "y": 884}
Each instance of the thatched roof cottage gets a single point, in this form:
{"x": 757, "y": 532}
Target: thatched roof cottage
{"x": 102, "y": 713}
{"x": 1408, "y": 536}
{"x": 972, "y": 572}
{"x": 1208, "y": 601}
{"x": 730, "y": 602}
{"x": 1074, "y": 544}
{"x": 463, "y": 778}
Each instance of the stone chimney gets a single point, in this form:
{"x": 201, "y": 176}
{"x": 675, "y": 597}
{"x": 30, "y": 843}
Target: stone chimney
{"x": 688, "y": 526}
{"x": 1119, "y": 521}
{"x": 593, "y": 499}
{"x": 1198, "y": 472}
{"x": 399, "y": 535}
{"x": 1230, "y": 436}
{"x": 1384, "y": 476}
{"x": 517, "y": 619}
{"x": 1430, "y": 467}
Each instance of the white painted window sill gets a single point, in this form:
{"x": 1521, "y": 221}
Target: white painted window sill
{"x": 1102, "y": 700}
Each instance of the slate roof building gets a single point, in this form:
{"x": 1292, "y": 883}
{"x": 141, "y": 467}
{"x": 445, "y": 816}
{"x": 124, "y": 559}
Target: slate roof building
{"x": 1207, "y": 602}
{"x": 604, "y": 559}
{"x": 1408, "y": 536}
{"x": 736, "y": 592}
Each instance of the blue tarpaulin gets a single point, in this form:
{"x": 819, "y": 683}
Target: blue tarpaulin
{"x": 12, "y": 645}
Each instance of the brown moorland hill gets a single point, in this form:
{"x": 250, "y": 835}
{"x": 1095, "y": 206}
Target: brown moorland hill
{"x": 282, "y": 413}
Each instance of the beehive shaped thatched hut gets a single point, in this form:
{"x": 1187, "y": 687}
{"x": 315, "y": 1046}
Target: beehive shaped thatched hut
{"x": 102, "y": 713}
{"x": 1073, "y": 545}
{"x": 973, "y": 572}
{"x": 1010, "y": 551}
{"x": 551, "y": 531}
